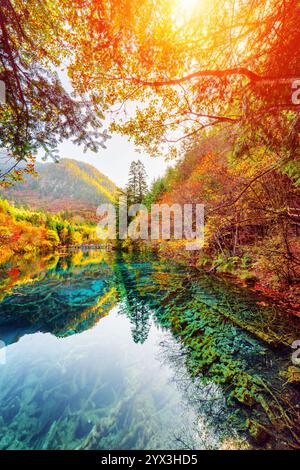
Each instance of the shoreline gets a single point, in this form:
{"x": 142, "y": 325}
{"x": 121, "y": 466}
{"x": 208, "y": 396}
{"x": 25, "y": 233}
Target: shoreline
{"x": 287, "y": 298}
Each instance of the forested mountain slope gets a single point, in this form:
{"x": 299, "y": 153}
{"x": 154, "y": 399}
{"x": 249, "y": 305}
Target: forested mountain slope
{"x": 69, "y": 185}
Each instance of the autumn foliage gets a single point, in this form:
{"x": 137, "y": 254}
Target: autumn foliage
{"x": 251, "y": 226}
{"x": 27, "y": 232}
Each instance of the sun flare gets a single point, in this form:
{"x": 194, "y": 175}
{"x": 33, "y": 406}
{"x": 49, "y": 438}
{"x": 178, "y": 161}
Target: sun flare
{"x": 187, "y": 7}
{"x": 184, "y": 10}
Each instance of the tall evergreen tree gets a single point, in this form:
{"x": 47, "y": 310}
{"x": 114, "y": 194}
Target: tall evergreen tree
{"x": 137, "y": 183}
{"x": 141, "y": 181}
{"x": 132, "y": 184}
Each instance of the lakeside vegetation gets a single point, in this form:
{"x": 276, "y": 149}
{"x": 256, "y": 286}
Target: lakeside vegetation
{"x": 24, "y": 231}
{"x": 251, "y": 228}
{"x": 250, "y": 233}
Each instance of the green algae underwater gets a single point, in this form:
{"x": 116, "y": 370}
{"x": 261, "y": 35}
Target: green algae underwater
{"x": 119, "y": 351}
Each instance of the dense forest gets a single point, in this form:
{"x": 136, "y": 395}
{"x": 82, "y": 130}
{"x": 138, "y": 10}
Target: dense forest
{"x": 27, "y": 232}
{"x": 252, "y": 223}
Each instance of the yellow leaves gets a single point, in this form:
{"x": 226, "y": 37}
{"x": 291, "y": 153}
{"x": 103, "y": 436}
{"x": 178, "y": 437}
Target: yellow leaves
{"x": 52, "y": 237}
{"x": 23, "y": 231}
{"x": 63, "y": 235}
{"x": 90, "y": 180}
{"x": 76, "y": 238}
{"x": 259, "y": 157}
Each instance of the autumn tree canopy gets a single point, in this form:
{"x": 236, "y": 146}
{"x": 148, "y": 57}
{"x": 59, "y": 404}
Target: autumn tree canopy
{"x": 187, "y": 66}
{"x": 163, "y": 71}
{"x": 39, "y": 113}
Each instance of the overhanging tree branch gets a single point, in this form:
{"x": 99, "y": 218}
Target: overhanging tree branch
{"x": 237, "y": 71}
{"x": 253, "y": 77}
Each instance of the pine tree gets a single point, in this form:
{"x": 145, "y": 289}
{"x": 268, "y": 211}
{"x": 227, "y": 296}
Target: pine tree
{"x": 141, "y": 181}
{"x": 131, "y": 188}
{"x": 137, "y": 184}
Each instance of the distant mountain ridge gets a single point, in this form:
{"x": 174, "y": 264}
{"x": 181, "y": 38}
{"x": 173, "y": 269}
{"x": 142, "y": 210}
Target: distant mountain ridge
{"x": 69, "y": 185}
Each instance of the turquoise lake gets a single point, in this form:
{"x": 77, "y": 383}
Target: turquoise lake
{"x": 100, "y": 351}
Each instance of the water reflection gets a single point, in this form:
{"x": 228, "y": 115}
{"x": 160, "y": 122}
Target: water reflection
{"x": 107, "y": 351}
{"x": 68, "y": 295}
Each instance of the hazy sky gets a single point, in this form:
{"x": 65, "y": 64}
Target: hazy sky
{"x": 114, "y": 162}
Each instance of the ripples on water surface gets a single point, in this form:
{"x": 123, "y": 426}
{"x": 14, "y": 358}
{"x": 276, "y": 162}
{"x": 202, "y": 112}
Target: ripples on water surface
{"x": 106, "y": 351}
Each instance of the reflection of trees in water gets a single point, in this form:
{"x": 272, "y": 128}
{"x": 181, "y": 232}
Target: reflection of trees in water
{"x": 208, "y": 317}
{"x": 133, "y": 305}
{"x": 69, "y": 298}
{"x": 210, "y": 429}
{"x": 204, "y": 314}
{"x": 138, "y": 315}
{"x": 144, "y": 291}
